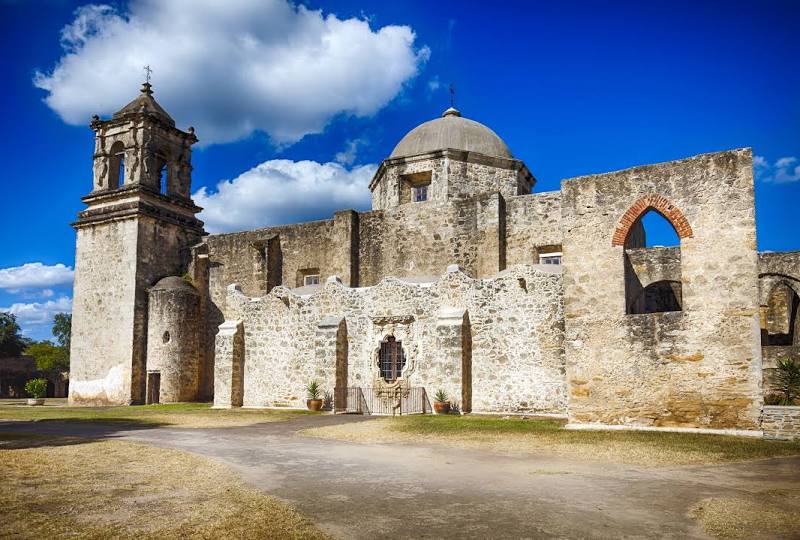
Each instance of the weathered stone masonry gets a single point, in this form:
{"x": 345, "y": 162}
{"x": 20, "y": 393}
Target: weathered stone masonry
{"x": 447, "y": 265}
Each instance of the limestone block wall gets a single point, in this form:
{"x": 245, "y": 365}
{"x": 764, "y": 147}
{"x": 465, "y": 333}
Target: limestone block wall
{"x": 163, "y": 249}
{"x": 510, "y": 336}
{"x": 246, "y": 258}
{"x": 700, "y": 367}
{"x": 229, "y": 365}
{"x": 103, "y": 309}
{"x": 173, "y": 339}
{"x": 781, "y": 423}
{"x": 454, "y": 175}
{"x": 533, "y": 226}
{"x": 418, "y": 239}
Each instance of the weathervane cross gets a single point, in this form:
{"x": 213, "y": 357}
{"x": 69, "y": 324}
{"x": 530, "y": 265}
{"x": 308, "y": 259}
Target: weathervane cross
{"x": 147, "y": 72}
{"x": 452, "y": 96}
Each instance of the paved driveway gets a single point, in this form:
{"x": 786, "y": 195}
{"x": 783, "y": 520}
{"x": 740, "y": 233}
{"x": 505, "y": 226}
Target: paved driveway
{"x": 428, "y": 491}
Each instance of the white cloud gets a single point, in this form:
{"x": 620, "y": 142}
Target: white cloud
{"x": 783, "y": 171}
{"x": 34, "y": 275}
{"x": 231, "y": 68}
{"x": 284, "y": 191}
{"x": 37, "y": 316}
{"x": 349, "y": 154}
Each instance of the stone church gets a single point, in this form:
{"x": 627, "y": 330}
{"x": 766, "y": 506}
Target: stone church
{"x": 460, "y": 278}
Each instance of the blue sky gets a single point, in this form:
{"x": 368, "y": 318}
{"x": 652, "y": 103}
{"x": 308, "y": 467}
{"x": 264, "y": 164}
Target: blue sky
{"x": 300, "y": 107}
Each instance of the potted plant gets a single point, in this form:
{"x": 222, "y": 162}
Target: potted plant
{"x": 37, "y": 390}
{"x": 314, "y": 402}
{"x": 440, "y": 403}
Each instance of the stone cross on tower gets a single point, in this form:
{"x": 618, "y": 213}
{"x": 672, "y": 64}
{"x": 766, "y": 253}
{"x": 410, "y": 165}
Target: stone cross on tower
{"x": 147, "y": 73}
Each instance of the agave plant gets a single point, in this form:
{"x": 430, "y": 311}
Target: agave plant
{"x": 313, "y": 390}
{"x": 787, "y": 380}
{"x": 440, "y": 396}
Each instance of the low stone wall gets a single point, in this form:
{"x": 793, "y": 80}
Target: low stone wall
{"x": 781, "y": 423}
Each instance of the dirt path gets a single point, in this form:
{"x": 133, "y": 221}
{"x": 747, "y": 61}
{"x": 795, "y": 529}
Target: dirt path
{"x": 427, "y": 491}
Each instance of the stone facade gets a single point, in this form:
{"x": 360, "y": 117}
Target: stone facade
{"x": 781, "y": 423}
{"x": 442, "y": 281}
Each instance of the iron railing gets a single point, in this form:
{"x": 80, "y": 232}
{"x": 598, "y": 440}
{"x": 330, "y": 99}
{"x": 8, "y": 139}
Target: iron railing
{"x": 383, "y": 401}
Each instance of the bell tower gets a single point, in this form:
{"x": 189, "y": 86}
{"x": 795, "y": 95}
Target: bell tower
{"x": 138, "y": 227}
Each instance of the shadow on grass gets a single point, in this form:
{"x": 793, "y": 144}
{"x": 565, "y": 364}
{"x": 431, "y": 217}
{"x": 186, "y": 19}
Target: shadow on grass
{"x": 66, "y": 431}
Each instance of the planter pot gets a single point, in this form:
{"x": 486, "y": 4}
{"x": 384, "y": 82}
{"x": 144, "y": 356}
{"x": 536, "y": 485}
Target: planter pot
{"x": 441, "y": 407}
{"x": 314, "y": 404}
{"x": 35, "y": 401}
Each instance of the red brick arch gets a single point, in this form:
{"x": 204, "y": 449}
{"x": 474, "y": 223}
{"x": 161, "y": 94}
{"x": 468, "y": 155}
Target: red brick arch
{"x": 661, "y": 205}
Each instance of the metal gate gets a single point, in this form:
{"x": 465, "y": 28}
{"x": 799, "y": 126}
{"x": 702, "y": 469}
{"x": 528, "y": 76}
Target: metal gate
{"x": 381, "y": 401}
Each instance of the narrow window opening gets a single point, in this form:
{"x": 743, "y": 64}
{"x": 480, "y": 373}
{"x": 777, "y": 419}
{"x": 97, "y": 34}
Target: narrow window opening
{"x": 652, "y": 258}
{"x": 162, "y": 179}
{"x": 550, "y": 258}
{"x": 308, "y": 276}
{"x": 782, "y": 324}
{"x": 420, "y": 193}
{"x": 116, "y": 169}
{"x": 415, "y": 187}
{"x": 392, "y": 359}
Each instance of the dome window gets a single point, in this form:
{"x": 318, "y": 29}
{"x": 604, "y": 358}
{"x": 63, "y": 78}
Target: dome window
{"x": 415, "y": 187}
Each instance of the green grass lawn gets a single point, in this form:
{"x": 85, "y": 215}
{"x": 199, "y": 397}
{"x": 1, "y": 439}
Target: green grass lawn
{"x": 547, "y": 436}
{"x": 176, "y": 414}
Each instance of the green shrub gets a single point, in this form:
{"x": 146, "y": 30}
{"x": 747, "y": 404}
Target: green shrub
{"x": 36, "y": 388}
{"x": 775, "y": 399}
{"x": 440, "y": 396}
{"x": 313, "y": 389}
{"x": 787, "y": 380}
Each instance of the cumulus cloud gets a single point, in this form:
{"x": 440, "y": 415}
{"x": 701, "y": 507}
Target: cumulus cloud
{"x": 34, "y": 275}
{"x": 38, "y": 316}
{"x": 784, "y": 170}
{"x": 231, "y": 68}
{"x": 283, "y": 191}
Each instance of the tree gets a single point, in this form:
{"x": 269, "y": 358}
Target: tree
{"x": 49, "y": 357}
{"x": 62, "y": 328}
{"x": 11, "y": 341}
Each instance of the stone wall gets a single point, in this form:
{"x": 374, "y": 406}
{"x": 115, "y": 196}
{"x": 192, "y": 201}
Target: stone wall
{"x": 454, "y": 175}
{"x": 103, "y": 312}
{"x": 173, "y": 340}
{"x": 418, "y": 239}
{"x": 781, "y": 423}
{"x": 700, "y": 367}
{"x": 533, "y": 226}
{"x": 507, "y": 341}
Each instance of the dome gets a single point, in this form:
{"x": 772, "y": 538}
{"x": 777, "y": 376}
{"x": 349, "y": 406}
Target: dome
{"x": 451, "y": 131}
{"x": 145, "y": 103}
{"x": 173, "y": 283}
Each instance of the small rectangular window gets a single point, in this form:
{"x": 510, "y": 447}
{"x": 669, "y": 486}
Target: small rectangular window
{"x": 311, "y": 279}
{"x": 420, "y": 193}
{"x": 550, "y": 258}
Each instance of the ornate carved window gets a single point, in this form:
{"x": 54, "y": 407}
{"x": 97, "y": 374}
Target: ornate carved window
{"x": 391, "y": 359}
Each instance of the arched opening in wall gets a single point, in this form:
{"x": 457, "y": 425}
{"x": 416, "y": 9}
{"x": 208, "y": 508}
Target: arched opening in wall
{"x": 391, "y": 359}
{"x": 163, "y": 175}
{"x": 782, "y": 327}
{"x": 116, "y": 166}
{"x": 652, "y": 259}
